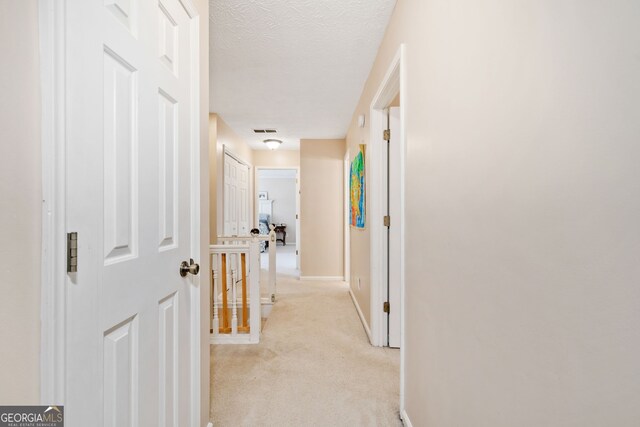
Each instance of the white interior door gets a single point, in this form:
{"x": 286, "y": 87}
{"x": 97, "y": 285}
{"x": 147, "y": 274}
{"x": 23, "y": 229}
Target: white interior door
{"x": 243, "y": 199}
{"x": 236, "y": 207}
{"x": 230, "y": 203}
{"x": 394, "y": 229}
{"x": 128, "y": 139}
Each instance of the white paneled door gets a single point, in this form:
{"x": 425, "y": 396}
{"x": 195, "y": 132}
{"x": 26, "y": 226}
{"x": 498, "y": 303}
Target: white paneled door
{"x": 236, "y": 197}
{"x": 128, "y": 129}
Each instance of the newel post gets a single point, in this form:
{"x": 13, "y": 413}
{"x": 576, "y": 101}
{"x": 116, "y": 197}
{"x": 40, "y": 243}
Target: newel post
{"x": 272, "y": 263}
{"x": 254, "y": 293}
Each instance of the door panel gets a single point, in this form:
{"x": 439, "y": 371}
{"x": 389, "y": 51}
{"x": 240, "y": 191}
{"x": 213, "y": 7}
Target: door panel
{"x": 120, "y": 152}
{"x": 168, "y": 380}
{"x": 168, "y": 177}
{"x": 121, "y": 374}
{"x": 128, "y": 139}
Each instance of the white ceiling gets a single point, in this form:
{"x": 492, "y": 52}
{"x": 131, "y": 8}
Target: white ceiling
{"x": 298, "y": 66}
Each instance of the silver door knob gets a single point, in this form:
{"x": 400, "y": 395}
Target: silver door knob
{"x": 189, "y": 267}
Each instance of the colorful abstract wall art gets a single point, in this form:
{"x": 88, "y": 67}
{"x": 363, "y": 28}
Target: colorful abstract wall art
{"x": 357, "y": 189}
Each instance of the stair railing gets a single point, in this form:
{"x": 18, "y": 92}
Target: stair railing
{"x": 271, "y": 238}
{"x": 232, "y": 267}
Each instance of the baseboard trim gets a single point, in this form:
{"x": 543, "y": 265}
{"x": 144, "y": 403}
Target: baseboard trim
{"x": 405, "y": 419}
{"x": 325, "y": 278}
{"x": 362, "y": 319}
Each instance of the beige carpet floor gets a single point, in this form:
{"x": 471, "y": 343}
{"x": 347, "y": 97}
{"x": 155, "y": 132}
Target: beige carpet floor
{"x": 314, "y": 366}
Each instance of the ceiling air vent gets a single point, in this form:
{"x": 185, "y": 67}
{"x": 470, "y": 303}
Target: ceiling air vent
{"x": 270, "y": 130}
{"x": 265, "y": 131}
{"x": 259, "y": 130}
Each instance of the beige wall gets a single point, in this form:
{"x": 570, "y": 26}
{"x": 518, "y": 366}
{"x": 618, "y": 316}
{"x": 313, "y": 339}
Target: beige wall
{"x": 321, "y": 207}
{"x": 225, "y": 137}
{"x": 232, "y": 141}
{"x": 276, "y": 158}
{"x": 523, "y": 199}
{"x": 21, "y": 193}
{"x": 359, "y": 239}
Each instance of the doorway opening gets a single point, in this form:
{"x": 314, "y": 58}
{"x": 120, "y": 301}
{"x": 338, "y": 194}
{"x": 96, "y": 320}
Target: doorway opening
{"x": 277, "y": 202}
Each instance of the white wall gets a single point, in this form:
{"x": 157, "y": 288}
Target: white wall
{"x": 20, "y": 201}
{"x": 281, "y": 188}
{"x": 523, "y": 210}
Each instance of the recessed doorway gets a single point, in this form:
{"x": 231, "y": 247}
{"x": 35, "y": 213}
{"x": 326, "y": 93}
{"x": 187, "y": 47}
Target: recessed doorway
{"x": 277, "y": 202}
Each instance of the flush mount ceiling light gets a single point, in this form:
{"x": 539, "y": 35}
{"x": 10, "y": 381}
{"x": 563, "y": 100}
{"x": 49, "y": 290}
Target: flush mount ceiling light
{"x": 272, "y": 144}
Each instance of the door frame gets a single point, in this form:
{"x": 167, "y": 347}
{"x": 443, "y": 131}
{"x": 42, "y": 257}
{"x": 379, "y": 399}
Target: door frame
{"x": 299, "y": 219}
{"x": 394, "y": 82}
{"x": 53, "y": 267}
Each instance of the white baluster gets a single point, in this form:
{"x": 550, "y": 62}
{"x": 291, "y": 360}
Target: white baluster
{"x": 215, "y": 263}
{"x": 255, "y": 320}
{"x": 272, "y": 263}
{"x": 226, "y": 265}
{"x": 234, "y": 305}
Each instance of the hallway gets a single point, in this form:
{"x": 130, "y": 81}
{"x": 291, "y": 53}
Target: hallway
{"x": 285, "y": 264}
{"x": 314, "y": 366}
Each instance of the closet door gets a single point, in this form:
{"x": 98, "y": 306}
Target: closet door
{"x": 236, "y": 197}
{"x": 230, "y": 196}
{"x": 243, "y": 199}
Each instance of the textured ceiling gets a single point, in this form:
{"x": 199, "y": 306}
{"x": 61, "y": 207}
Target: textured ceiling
{"x": 298, "y": 66}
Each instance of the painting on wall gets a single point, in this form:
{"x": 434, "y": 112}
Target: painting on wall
{"x": 357, "y": 189}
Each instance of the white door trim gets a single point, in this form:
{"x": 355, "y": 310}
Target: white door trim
{"x": 298, "y": 223}
{"x": 52, "y": 84}
{"x": 394, "y": 82}
{"x": 226, "y": 150}
{"x": 200, "y": 258}
{"x": 53, "y": 276}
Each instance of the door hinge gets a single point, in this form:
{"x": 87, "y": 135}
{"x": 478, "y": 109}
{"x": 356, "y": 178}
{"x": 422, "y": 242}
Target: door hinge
{"x": 296, "y": 252}
{"x": 385, "y": 307}
{"x": 386, "y": 134}
{"x": 296, "y": 216}
{"x": 72, "y": 252}
{"x": 387, "y": 221}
